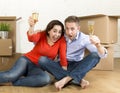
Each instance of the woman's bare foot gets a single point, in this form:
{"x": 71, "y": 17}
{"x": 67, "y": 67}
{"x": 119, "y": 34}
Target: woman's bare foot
{"x": 61, "y": 83}
{"x": 84, "y": 83}
{"x": 6, "y": 84}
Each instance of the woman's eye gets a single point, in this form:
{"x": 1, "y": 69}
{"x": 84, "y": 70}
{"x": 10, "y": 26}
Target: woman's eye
{"x": 54, "y": 31}
{"x": 60, "y": 32}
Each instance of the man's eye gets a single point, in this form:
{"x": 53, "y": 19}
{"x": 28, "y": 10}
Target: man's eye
{"x": 54, "y": 31}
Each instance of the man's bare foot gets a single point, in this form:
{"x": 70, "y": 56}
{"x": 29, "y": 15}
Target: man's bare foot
{"x": 84, "y": 83}
{"x": 61, "y": 83}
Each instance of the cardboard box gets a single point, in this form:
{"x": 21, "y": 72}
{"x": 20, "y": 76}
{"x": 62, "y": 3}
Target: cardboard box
{"x": 108, "y": 62}
{"x": 5, "y": 47}
{"x": 12, "y": 34}
{"x": 105, "y": 27}
{"x": 7, "y": 62}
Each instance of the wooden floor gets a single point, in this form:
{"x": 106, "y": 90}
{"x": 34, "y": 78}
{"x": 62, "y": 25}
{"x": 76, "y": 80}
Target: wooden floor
{"x": 100, "y": 82}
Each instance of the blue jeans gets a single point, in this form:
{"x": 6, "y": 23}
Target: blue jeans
{"x": 25, "y": 73}
{"x": 76, "y": 70}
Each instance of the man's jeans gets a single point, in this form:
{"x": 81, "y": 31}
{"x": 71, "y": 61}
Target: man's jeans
{"x": 25, "y": 73}
{"x": 76, "y": 70}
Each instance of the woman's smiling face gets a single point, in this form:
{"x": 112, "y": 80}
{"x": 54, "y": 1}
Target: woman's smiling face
{"x": 55, "y": 33}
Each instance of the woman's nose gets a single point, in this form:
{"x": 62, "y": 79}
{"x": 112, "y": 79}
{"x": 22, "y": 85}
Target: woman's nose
{"x": 58, "y": 34}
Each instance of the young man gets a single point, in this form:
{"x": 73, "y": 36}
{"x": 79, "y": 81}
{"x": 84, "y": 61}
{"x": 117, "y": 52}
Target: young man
{"x": 78, "y": 65}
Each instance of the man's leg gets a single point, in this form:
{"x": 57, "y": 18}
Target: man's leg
{"x": 79, "y": 71}
{"x": 52, "y": 67}
{"x": 84, "y": 66}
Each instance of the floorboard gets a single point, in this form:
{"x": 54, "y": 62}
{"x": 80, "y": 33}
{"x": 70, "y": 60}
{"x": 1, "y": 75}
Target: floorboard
{"x": 100, "y": 82}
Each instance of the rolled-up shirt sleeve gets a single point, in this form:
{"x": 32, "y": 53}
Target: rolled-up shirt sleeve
{"x": 104, "y": 55}
{"x": 93, "y": 48}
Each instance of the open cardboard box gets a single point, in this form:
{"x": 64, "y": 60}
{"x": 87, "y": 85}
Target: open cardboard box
{"x": 8, "y": 53}
{"x": 12, "y": 34}
{"x": 5, "y": 47}
{"x": 108, "y": 62}
{"x": 105, "y": 26}
{"x": 105, "y": 63}
{"x": 6, "y": 62}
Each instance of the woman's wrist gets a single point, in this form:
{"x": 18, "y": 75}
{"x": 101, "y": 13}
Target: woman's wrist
{"x": 31, "y": 30}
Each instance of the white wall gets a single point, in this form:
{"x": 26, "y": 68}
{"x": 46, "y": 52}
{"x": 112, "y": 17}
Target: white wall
{"x": 54, "y": 9}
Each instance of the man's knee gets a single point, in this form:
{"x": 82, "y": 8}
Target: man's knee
{"x": 95, "y": 55}
{"x": 43, "y": 60}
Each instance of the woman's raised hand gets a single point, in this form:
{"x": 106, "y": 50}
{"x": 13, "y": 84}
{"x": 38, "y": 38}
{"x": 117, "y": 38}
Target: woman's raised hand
{"x": 31, "y": 22}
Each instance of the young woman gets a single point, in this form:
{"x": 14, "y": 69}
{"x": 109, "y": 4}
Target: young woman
{"x": 26, "y": 70}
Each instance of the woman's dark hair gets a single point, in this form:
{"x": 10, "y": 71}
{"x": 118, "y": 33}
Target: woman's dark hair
{"x": 52, "y": 24}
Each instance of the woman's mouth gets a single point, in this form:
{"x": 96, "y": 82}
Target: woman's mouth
{"x": 55, "y": 39}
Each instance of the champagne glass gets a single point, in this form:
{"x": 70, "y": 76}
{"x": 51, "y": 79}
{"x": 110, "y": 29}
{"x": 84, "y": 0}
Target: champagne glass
{"x": 35, "y": 16}
{"x": 91, "y": 27}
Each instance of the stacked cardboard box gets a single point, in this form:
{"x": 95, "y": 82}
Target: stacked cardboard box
{"x": 8, "y": 46}
{"x": 6, "y": 62}
{"x": 5, "y": 47}
{"x": 12, "y": 34}
{"x": 108, "y": 62}
{"x": 105, "y": 27}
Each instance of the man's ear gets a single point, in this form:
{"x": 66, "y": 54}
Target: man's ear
{"x": 78, "y": 27}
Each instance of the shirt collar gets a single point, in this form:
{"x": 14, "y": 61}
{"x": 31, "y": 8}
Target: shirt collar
{"x": 77, "y": 35}
{"x": 69, "y": 41}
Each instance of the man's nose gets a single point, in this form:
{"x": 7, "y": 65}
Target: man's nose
{"x": 70, "y": 32}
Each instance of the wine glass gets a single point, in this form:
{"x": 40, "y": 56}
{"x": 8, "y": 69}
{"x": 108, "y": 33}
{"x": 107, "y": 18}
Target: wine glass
{"x": 35, "y": 16}
{"x": 91, "y": 27}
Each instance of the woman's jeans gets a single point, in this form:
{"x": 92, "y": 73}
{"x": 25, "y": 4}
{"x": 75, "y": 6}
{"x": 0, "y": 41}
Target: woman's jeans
{"x": 25, "y": 73}
{"x": 76, "y": 70}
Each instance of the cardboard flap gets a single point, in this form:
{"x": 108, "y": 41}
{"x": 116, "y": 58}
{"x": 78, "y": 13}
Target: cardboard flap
{"x": 99, "y": 15}
{"x": 9, "y": 18}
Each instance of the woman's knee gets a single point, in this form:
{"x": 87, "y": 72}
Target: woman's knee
{"x": 10, "y": 77}
{"x": 17, "y": 70}
{"x": 23, "y": 59}
{"x": 46, "y": 79}
{"x": 42, "y": 80}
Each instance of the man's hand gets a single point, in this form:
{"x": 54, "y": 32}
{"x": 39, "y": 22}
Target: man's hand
{"x": 94, "y": 40}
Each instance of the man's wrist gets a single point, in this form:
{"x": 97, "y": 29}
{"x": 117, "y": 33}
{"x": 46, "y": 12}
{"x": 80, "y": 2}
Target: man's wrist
{"x": 98, "y": 45}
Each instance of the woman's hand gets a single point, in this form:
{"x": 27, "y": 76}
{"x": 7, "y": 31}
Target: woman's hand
{"x": 31, "y": 22}
{"x": 64, "y": 67}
